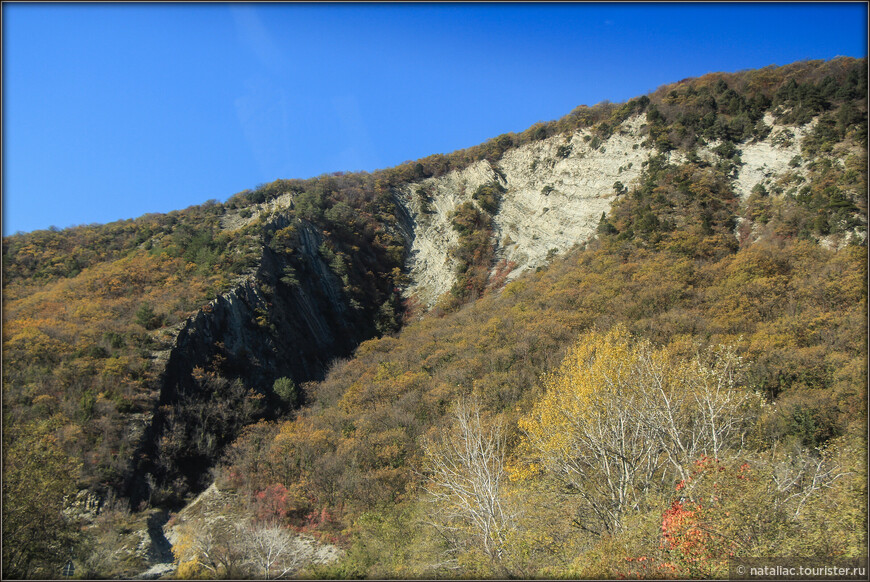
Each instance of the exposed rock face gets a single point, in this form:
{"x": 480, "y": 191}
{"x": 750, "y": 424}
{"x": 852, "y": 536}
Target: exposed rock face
{"x": 537, "y": 219}
{"x": 766, "y": 160}
{"x": 233, "y": 220}
{"x": 261, "y": 330}
{"x": 555, "y": 192}
{"x": 243, "y": 325}
{"x": 85, "y": 505}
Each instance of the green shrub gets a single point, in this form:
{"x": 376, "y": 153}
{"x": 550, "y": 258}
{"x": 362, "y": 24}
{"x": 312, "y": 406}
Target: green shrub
{"x": 147, "y": 318}
{"x": 287, "y": 392}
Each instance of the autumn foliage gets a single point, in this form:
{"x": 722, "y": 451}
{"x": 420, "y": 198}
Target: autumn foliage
{"x": 686, "y": 387}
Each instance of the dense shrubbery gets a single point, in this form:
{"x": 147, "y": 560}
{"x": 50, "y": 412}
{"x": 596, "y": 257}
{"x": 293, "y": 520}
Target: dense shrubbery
{"x": 669, "y": 268}
{"x": 86, "y": 309}
{"x": 800, "y": 329}
{"x": 730, "y": 107}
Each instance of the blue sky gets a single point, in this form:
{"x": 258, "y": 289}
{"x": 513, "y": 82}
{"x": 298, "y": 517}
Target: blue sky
{"x": 114, "y": 110}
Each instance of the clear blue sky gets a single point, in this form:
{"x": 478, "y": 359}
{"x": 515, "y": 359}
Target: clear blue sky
{"x": 112, "y": 111}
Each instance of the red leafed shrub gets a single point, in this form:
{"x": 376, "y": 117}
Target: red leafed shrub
{"x": 681, "y": 532}
{"x": 697, "y": 533}
{"x": 273, "y": 503}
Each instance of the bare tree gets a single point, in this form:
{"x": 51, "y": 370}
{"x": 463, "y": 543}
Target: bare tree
{"x": 695, "y": 408}
{"x": 802, "y": 475}
{"x": 596, "y": 439}
{"x": 210, "y": 546}
{"x": 465, "y": 478}
{"x": 271, "y": 551}
{"x": 244, "y": 550}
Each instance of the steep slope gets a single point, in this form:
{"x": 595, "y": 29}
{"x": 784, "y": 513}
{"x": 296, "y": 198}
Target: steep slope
{"x": 261, "y": 330}
{"x": 556, "y": 191}
{"x": 150, "y": 344}
{"x": 748, "y": 232}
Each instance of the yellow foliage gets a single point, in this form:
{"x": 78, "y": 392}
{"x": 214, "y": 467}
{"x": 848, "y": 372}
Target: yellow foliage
{"x": 116, "y": 367}
{"x": 186, "y": 554}
{"x": 576, "y": 394}
{"x": 189, "y": 570}
{"x": 28, "y": 336}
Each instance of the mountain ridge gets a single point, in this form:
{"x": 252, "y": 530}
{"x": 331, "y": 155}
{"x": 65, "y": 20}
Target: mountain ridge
{"x": 319, "y": 266}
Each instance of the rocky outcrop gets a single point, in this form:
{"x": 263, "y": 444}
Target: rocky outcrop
{"x": 261, "y": 330}
{"x": 264, "y": 329}
{"x": 556, "y": 190}
{"x": 766, "y": 160}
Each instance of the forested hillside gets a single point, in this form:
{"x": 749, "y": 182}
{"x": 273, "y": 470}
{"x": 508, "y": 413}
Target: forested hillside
{"x": 684, "y": 385}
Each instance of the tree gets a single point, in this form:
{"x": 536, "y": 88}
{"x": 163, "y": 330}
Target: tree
{"x": 619, "y": 188}
{"x": 489, "y": 196}
{"x": 604, "y": 225}
{"x": 271, "y": 551}
{"x": 220, "y": 549}
{"x": 274, "y": 503}
{"x": 147, "y": 318}
{"x": 755, "y": 507}
{"x": 465, "y": 479}
{"x": 38, "y": 477}
{"x": 287, "y": 391}
{"x": 698, "y": 407}
{"x": 585, "y": 431}
{"x": 619, "y": 418}
{"x": 208, "y": 549}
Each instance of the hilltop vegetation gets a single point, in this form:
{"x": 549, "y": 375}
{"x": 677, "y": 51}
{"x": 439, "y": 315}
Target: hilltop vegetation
{"x": 668, "y": 268}
{"x": 755, "y": 307}
{"x": 793, "y": 310}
